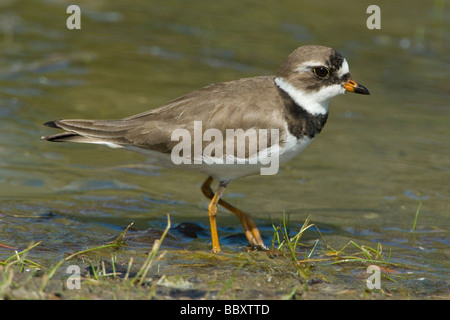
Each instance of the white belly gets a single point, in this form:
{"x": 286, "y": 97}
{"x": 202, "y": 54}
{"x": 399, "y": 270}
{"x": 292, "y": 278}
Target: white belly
{"x": 231, "y": 168}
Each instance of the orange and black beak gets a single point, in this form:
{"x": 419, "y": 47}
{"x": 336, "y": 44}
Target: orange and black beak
{"x": 352, "y": 86}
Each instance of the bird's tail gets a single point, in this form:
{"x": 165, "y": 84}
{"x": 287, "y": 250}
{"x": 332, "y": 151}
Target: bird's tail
{"x": 110, "y": 132}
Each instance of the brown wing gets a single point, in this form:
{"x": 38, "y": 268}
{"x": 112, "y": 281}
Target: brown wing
{"x": 241, "y": 104}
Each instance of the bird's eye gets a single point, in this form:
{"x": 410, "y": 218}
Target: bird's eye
{"x": 321, "y": 71}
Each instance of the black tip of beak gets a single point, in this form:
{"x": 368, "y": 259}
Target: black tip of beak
{"x": 355, "y": 87}
{"x": 361, "y": 89}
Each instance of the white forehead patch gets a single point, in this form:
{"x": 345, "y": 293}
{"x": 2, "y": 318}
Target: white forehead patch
{"x": 344, "y": 69}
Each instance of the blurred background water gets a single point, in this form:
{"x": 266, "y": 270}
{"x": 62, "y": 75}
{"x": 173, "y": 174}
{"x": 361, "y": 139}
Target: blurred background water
{"x": 362, "y": 179}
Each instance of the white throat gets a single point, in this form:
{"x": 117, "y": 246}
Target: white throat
{"x": 315, "y": 103}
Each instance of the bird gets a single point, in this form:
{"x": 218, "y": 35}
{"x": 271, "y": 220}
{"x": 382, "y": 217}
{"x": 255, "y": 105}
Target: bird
{"x": 232, "y": 129}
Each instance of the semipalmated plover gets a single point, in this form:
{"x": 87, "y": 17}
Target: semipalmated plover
{"x": 291, "y": 106}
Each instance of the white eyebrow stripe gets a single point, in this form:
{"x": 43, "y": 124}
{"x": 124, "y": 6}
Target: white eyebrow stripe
{"x": 307, "y": 65}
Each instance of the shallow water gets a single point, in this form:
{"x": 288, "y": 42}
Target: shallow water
{"x": 362, "y": 179}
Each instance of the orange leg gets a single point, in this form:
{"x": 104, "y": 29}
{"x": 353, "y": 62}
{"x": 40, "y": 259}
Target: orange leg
{"x": 251, "y": 231}
{"x": 212, "y": 212}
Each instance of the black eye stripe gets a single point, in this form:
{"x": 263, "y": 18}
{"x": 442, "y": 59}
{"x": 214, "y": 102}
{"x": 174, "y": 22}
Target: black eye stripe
{"x": 346, "y": 76}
